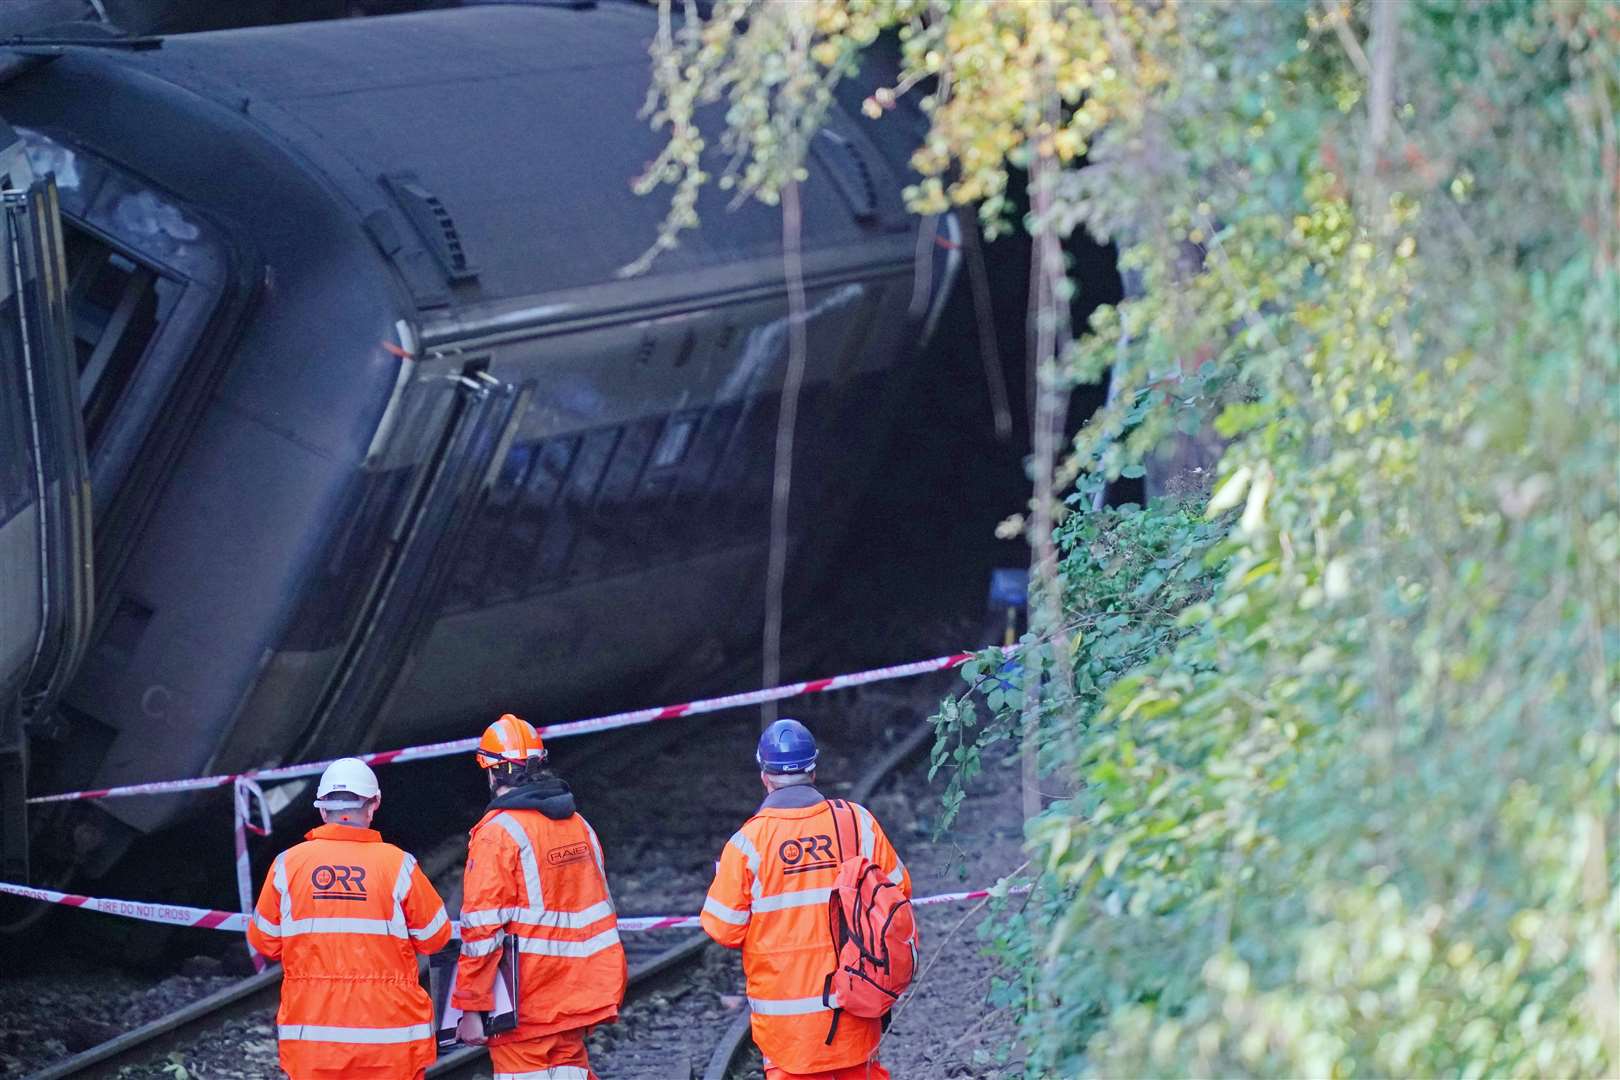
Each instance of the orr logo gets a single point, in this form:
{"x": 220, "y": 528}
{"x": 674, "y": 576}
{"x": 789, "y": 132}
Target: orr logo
{"x": 338, "y": 882}
{"x": 801, "y": 854}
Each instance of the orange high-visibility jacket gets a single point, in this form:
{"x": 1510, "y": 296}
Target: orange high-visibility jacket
{"x": 346, "y": 914}
{"x": 769, "y": 897}
{"x": 542, "y": 880}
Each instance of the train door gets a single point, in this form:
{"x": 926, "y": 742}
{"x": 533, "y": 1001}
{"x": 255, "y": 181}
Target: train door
{"x": 454, "y": 426}
{"x": 45, "y": 576}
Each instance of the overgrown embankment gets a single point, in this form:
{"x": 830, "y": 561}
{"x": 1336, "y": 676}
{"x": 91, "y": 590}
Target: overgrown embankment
{"x": 1340, "y": 746}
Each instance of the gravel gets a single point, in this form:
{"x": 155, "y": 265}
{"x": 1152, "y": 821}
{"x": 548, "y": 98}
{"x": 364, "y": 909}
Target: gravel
{"x": 48, "y": 1016}
{"x": 944, "y": 1027}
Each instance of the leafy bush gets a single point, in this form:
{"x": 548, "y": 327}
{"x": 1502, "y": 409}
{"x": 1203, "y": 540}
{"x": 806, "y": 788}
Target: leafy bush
{"x": 1344, "y": 742}
{"x": 1358, "y": 813}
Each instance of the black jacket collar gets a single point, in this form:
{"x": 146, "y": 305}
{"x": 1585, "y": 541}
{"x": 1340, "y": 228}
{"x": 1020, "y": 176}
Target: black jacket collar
{"x": 549, "y": 795}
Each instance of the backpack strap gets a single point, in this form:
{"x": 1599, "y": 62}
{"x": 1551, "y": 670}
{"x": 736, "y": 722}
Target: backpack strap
{"x": 847, "y": 837}
{"x": 826, "y": 999}
{"x": 846, "y": 830}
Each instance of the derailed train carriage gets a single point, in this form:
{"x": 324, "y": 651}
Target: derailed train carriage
{"x": 377, "y": 436}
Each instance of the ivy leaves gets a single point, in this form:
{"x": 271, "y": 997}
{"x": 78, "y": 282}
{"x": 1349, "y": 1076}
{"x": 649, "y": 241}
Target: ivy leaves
{"x": 1338, "y": 748}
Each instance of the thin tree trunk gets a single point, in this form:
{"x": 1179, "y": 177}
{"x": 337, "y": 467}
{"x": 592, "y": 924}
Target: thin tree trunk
{"x": 1051, "y": 408}
{"x": 984, "y": 316}
{"x": 1380, "y": 86}
{"x": 787, "y": 421}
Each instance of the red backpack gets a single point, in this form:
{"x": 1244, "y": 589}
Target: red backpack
{"x": 874, "y": 931}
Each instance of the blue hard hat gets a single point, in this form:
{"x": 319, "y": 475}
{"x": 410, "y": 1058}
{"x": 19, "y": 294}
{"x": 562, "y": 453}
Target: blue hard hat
{"x": 786, "y": 747}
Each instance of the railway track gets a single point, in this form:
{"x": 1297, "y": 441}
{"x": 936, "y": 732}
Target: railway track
{"x": 261, "y": 992}
{"x": 655, "y": 959}
{"x": 647, "y": 962}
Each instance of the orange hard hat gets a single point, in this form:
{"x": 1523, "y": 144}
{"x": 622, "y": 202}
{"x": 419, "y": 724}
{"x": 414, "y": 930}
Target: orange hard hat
{"x": 510, "y": 740}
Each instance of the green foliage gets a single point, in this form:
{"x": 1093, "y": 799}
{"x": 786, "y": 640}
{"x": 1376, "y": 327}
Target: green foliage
{"x": 1129, "y": 576}
{"x": 1344, "y": 744}
{"x": 1360, "y": 817}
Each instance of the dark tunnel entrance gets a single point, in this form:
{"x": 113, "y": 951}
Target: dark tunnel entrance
{"x": 925, "y": 532}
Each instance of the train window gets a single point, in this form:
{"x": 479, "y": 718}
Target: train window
{"x": 719, "y": 424}
{"x": 628, "y": 462}
{"x": 672, "y": 444}
{"x": 117, "y": 306}
{"x": 526, "y": 540}
{"x": 489, "y": 534}
{"x": 740, "y": 495}
{"x": 551, "y": 469}
{"x": 616, "y": 519}
{"x": 571, "y": 510}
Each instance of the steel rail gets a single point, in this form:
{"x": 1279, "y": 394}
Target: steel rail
{"x": 463, "y": 1060}
{"x": 258, "y": 992}
{"x": 247, "y": 995}
{"x": 251, "y": 993}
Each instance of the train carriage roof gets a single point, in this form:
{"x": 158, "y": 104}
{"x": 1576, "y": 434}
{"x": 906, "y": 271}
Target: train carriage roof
{"x": 503, "y": 136}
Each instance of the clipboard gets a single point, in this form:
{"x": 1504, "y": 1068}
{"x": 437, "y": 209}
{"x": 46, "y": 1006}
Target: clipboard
{"x": 442, "y": 967}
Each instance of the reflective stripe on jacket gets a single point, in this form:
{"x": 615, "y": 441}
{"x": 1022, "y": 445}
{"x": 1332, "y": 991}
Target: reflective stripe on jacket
{"x": 541, "y": 880}
{"x": 346, "y": 915}
{"x": 769, "y": 898}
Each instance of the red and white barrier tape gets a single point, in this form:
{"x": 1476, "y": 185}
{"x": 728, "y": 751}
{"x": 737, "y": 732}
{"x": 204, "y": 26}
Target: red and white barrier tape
{"x": 642, "y": 923}
{"x": 172, "y": 914}
{"x": 248, "y": 796}
{"x": 204, "y": 919}
{"x": 550, "y": 731}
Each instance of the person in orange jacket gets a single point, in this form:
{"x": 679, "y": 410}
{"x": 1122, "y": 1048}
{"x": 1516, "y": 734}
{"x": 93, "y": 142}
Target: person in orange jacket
{"x": 535, "y": 872}
{"x": 347, "y": 914}
{"x": 769, "y": 898}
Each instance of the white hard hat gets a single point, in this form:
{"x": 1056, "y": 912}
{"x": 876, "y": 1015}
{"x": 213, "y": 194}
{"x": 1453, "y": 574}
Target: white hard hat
{"x": 347, "y": 782}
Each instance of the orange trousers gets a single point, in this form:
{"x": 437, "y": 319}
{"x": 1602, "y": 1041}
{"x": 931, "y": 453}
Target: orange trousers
{"x": 867, "y": 1070}
{"x": 550, "y": 1057}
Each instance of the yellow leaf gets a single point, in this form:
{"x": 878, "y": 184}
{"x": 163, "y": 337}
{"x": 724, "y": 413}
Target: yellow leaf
{"x": 1254, "y": 509}
{"x": 1230, "y": 493}
{"x": 1115, "y": 855}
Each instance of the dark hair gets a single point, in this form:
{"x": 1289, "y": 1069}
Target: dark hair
{"x": 527, "y": 771}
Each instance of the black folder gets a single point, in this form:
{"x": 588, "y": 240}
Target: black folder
{"x": 442, "y": 982}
